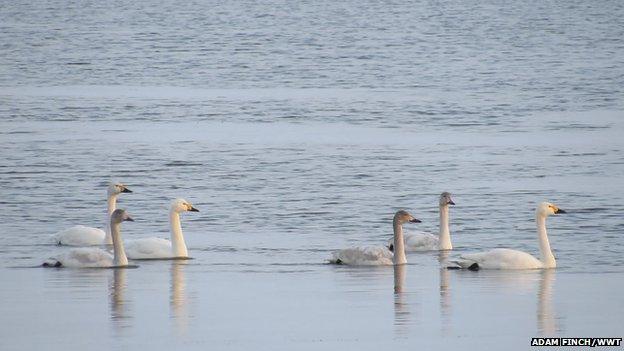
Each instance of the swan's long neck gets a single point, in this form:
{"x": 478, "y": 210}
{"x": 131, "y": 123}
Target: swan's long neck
{"x": 178, "y": 245}
{"x": 119, "y": 254}
{"x": 445, "y": 234}
{"x": 548, "y": 259}
{"x": 112, "y": 206}
{"x": 399, "y": 244}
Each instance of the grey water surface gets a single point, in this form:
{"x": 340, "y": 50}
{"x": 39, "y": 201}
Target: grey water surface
{"x": 298, "y": 128}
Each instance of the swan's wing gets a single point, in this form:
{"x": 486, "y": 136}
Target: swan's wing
{"x": 363, "y": 256}
{"x": 500, "y": 259}
{"x": 79, "y": 235}
{"x": 83, "y": 258}
{"x": 148, "y": 248}
{"x": 418, "y": 241}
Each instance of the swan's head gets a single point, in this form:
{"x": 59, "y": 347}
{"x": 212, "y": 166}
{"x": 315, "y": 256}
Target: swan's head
{"x": 546, "y": 209}
{"x": 445, "y": 199}
{"x": 403, "y": 217}
{"x": 120, "y": 215}
{"x": 117, "y": 188}
{"x": 181, "y": 205}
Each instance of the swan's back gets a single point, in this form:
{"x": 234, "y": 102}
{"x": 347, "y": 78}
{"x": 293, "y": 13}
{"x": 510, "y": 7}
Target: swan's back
{"x": 80, "y": 235}
{"x": 502, "y": 259}
{"x": 363, "y": 256}
{"x": 148, "y": 248}
{"x": 418, "y": 241}
{"x": 421, "y": 241}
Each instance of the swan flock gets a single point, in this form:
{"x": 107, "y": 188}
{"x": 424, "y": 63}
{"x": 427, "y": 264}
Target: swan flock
{"x": 394, "y": 253}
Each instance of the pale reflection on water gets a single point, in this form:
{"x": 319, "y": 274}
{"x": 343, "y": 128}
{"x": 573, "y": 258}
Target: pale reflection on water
{"x": 520, "y": 285}
{"x": 411, "y": 297}
{"x": 386, "y": 306}
{"x": 487, "y": 295}
{"x": 546, "y": 318}
{"x": 178, "y": 300}
{"x": 120, "y": 312}
{"x": 402, "y": 320}
{"x": 445, "y": 292}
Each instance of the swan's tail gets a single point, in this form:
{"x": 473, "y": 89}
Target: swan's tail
{"x": 464, "y": 264}
{"x": 52, "y": 263}
{"x": 335, "y": 261}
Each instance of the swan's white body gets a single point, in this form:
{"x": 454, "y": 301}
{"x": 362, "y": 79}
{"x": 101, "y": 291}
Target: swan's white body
{"x": 503, "y": 259}
{"x": 83, "y": 257}
{"x": 377, "y": 255}
{"x": 80, "y": 235}
{"x": 150, "y": 248}
{"x": 158, "y": 248}
{"x": 514, "y": 259}
{"x": 86, "y": 257}
{"x": 419, "y": 241}
{"x": 423, "y": 241}
{"x": 364, "y": 256}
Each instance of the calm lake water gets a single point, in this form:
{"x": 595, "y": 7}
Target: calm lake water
{"x": 298, "y": 128}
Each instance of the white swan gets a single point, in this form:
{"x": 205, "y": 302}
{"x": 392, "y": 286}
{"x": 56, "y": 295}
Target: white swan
{"x": 80, "y": 235}
{"x": 157, "y": 248}
{"x": 513, "y": 259}
{"x": 422, "y": 241}
{"x": 89, "y": 257}
{"x": 378, "y": 255}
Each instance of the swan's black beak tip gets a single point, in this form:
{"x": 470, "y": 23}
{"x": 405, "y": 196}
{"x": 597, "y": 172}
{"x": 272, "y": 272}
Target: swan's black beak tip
{"x": 414, "y": 220}
{"x": 193, "y": 209}
{"x": 560, "y": 211}
{"x": 126, "y": 190}
{"x": 451, "y": 202}
{"x": 130, "y": 219}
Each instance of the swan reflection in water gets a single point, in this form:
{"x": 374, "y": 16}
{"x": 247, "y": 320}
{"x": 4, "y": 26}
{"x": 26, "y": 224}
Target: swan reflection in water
{"x": 512, "y": 284}
{"x": 402, "y": 314}
{"x": 119, "y": 303}
{"x": 542, "y": 281}
{"x": 178, "y": 301}
{"x": 546, "y": 318}
{"x": 445, "y": 291}
{"x": 401, "y": 307}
